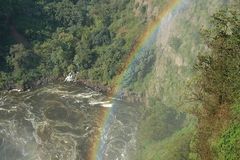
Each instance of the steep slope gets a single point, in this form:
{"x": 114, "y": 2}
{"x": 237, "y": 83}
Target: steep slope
{"x": 167, "y": 86}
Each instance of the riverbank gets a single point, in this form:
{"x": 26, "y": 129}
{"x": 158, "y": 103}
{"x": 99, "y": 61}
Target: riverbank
{"x": 125, "y": 94}
{"x": 94, "y": 85}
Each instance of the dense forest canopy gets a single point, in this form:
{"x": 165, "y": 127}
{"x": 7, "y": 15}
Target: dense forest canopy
{"x": 49, "y": 39}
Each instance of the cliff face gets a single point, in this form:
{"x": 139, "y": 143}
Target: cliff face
{"x": 178, "y": 43}
{"x": 148, "y": 8}
{"x": 167, "y": 91}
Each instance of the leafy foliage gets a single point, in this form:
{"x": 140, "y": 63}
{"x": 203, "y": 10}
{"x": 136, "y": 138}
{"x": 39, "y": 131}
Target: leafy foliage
{"x": 53, "y": 38}
{"x": 228, "y": 145}
{"x": 219, "y": 69}
{"x": 218, "y": 86}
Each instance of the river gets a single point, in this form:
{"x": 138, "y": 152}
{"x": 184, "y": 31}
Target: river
{"x": 60, "y": 121}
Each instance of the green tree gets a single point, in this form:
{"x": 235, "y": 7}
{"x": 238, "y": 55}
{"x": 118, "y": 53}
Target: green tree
{"x": 219, "y": 68}
{"x": 218, "y": 86}
{"x": 84, "y": 58}
{"x": 68, "y": 12}
{"x": 23, "y": 63}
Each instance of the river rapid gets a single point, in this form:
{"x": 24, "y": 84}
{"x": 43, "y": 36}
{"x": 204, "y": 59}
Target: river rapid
{"x": 60, "y": 122}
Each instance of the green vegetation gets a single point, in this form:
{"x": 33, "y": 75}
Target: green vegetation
{"x": 216, "y": 103}
{"x": 164, "y": 119}
{"x": 49, "y": 39}
{"x": 163, "y": 133}
{"x": 217, "y": 87}
{"x": 228, "y": 145}
{"x": 219, "y": 69}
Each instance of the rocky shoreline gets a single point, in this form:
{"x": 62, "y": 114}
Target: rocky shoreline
{"x": 126, "y": 95}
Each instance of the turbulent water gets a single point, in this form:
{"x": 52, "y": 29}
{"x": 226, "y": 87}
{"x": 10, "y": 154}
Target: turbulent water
{"x": 58, "y": 122}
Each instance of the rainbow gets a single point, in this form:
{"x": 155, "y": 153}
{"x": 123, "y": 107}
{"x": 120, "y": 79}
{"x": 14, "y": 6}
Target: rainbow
{"x": 146, "y": 37}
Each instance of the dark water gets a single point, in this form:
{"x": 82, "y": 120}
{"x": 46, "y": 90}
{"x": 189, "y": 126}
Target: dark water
{"x": 58, "y": 122}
